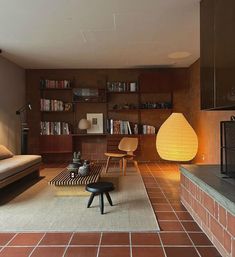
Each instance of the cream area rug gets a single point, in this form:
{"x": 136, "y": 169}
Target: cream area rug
{"x": 38, "y": 209}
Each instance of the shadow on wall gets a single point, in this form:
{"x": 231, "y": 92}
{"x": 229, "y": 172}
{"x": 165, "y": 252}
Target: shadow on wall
{"x": 10, "y": 131}
{"x": 12, "y": 96}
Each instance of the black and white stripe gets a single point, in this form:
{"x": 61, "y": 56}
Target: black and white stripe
{"x": 63, "y": 179}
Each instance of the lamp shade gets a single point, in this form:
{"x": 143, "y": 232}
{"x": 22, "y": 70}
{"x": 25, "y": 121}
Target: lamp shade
{"x": 84, "y": 124}
{"x": 176, "y": 140}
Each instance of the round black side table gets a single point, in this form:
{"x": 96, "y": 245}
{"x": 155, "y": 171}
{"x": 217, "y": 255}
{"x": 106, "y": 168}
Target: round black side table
{"x": 100, "y": 188}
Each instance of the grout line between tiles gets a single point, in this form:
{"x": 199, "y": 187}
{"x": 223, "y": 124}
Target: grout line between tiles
{"x": 37, "y": 244}
{"x": 8, "y": 242}
{"x": 130, "y": 242}
{"x": 98, "y": 250}
{"x": 68, "y": 244}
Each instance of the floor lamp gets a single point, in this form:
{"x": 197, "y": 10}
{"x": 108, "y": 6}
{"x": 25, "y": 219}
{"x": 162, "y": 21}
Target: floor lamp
{"x": 24, "y": 127}
{"x": 176, "y": 140}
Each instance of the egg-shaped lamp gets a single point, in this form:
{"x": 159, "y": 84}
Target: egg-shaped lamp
{"x": 176, "y": 140}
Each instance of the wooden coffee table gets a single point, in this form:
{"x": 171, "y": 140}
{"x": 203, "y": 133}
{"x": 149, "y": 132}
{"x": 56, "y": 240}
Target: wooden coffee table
{"x": 66, "y": 186}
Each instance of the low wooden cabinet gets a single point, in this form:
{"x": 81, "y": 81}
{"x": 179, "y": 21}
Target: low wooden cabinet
{"x": 56, "y": 144}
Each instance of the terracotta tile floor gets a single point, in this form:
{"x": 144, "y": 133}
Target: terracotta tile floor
{"x": 180, "y": 236}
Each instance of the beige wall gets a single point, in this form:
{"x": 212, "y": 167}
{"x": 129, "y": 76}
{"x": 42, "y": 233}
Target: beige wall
{"x": 205, "y": 123}
{"x": 12, "y": 96}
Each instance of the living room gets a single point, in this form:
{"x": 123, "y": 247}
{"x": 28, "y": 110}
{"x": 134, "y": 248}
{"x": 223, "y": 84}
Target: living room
{"x": 116, "y": 128}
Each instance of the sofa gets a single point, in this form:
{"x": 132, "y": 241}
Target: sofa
{"x": 15, "y": 167}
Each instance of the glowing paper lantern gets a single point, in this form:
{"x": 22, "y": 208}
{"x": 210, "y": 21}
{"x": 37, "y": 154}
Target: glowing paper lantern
{"x": 176, "y": 139}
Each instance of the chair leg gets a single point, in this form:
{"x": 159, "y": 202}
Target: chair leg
{"x": 90, "y": 200}
{"x": 136, "y": 165}
{"x": 109, "y": 198}
{"x": 121, "y": 164}
{"x": 124, "y": 166}
{"x": 101, "y": 203}
{"x": 107, "y": 164}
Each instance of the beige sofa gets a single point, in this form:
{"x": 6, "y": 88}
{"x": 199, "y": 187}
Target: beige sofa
{"x": 14, "y": 167}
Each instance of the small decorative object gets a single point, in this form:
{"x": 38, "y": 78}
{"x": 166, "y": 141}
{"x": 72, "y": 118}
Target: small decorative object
{"x": 136, "y": 129}
{"x": 73, "y": 167}
{"x": 84, "y": 169}
{"x": 133, "y": 87}
{"x": 68, "y": 107}
{"x": 77, "y": 158}
{"x": 89, "y": 95}
{"x": 84, "y": 124}
{"x": 96, "y": 121}
{"x": 72, "y": 174}
{"x": 77, "y": 155}
{"x": 126, "y": 106}
{"x": 115, "y": 107}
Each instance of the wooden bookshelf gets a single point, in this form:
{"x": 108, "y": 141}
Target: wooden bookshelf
{"x": 153, "y": 85}
{"x": 56, "y": 98}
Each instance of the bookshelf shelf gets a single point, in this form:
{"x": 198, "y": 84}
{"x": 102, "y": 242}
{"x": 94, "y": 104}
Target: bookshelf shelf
{"x": 122, "y": 93}
{"x": 89, "y": 135}
{"x": 89, "y": 102}
{"x": 56, "y": 111}
{"x": 115, "y": 135}
{"x": 56, "y": 89}
{"x": 143, "y": 110}
{"x": 156, "y": 110}
{"x": 55, "y": 152}
{"x": 124, "y": 110}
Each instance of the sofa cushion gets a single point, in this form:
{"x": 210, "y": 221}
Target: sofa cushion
{"x": 5, "y": 153}
{"x": 17, "y": 163}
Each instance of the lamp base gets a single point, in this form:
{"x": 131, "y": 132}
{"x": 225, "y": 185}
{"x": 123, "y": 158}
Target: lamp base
{"x": 24, "y": 140}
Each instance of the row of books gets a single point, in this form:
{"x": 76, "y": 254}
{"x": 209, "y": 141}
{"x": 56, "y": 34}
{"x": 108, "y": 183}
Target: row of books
{"x": 120, "y": 127}
{"x": 122, "y": 86}
{"x": 55, "y": 128}
{"x": 147, "y": 129}
{"x": 60, "y": 84}
{"x": 125, "y": 127}
{"x": 51, "y": 105}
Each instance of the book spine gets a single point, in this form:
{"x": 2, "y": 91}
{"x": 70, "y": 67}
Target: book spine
{"x": 129, "y": 127}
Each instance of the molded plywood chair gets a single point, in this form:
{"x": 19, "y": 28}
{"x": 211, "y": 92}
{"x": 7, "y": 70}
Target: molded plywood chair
{"x": 128, "y": 145}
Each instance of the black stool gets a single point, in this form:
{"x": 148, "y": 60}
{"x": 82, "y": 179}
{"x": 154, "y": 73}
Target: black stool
{"x": 99, "y": 188}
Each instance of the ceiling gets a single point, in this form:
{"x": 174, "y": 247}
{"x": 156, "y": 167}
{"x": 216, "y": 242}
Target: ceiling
{"x": 99, "y": 33}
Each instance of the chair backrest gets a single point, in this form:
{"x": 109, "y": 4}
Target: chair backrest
{"x": 128, "y": 144}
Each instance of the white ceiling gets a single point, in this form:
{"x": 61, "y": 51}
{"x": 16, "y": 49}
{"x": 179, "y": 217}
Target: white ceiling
{"x": 99, "y": 33}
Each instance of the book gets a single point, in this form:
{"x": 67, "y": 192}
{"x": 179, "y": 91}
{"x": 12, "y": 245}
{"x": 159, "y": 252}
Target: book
{"x": 54, "y": 105}
{"x": 60, "y": 84}
{"x": 54, "y": 128}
